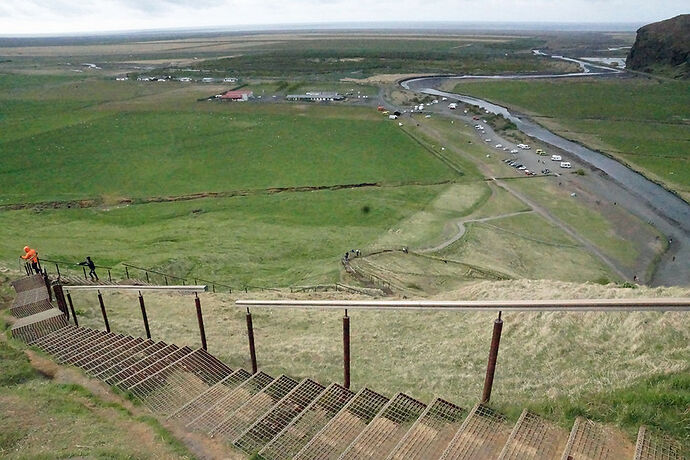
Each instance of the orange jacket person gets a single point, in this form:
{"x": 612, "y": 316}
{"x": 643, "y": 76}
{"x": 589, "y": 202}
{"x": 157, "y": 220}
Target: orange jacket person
{"x": 32, "y": 256}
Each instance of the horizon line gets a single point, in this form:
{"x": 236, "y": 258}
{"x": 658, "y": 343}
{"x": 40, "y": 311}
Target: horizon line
{"x": 569, "y": 26}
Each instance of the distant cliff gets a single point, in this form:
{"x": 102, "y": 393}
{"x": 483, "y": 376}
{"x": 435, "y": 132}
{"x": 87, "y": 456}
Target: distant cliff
{"x": 663, "y": 47}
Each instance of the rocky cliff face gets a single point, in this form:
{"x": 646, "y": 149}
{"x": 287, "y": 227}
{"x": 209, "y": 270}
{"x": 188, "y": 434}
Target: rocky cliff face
{"x": 663, "y": 47}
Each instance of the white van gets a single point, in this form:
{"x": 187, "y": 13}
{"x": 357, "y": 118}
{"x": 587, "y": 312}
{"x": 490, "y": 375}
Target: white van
{"x": 556, "y": 158}
{"x": 565, "y": 164}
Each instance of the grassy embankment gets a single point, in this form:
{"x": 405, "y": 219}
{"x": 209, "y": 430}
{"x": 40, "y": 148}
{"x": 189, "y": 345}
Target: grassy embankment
{"x": 42, "y": 416}
{"x": 644, "y": 123}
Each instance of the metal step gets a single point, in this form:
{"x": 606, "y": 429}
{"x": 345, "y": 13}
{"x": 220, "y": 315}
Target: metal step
{"x": 137, "y": 362}
{"x": 47, "y": 340}
{"x": 481, "y": 436}
{"x": 342, "y": 429}
{"x": 213, "y": 416}
{"x": 268, "y": 426}
{"x": 30, "y": 296}
{"x": 113, "y": 365}
{"x": 534, "y": 438}
{"x": 180, "y": 382}
{"x": 96, "y": 347}
{"x": 232, "y": 427}
{"x": 31, "y": 328}
{"x": 210, "y": 397}
{"x": 380, "y": 436}
{"x": 151, "y": 367}
{"x": 22, "y": 311}
{"x": 69, "y": 339}
{"x": 654, "y": 446}
{"x": 592, "y": 441}
{"x": 62, "y": 355}
{"x": 127, "y": 344}
{"x": 431, "y": 433}
{"x": 307, "y": 424}
{"x": 28, "y": 283}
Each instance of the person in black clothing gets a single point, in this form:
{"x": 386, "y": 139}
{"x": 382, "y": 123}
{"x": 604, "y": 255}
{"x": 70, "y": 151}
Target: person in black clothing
{"x": 92, "y": 268}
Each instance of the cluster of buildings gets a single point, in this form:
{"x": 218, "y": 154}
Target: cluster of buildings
{"x": 182, "y": 79}
{"x": 321, "y": 96}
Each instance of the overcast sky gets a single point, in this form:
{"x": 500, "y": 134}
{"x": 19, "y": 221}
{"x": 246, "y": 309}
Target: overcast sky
{"x": 34, "y": 17}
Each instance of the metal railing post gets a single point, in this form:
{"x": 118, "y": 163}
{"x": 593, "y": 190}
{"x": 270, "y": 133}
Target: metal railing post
{"x": 110, "y": 276}
{"x": 105, "y": 315}
{"x": 71, "y": 307}
{"x": 346, "y": 351}
{"x": 147, "y": 277}
{"x": 47, "y": 282}
{"x": 60, "y": 299}
{"x": 493, "y": 355}
{"x": 126, "y": 272}
{"x": 250, "y": 335}
{"x": 143, "y": 314}
{"x": 57, "y": 268}
{"x": 200, "y": 318}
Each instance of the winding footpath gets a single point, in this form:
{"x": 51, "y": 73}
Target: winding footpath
{"x": 640, "y": 196}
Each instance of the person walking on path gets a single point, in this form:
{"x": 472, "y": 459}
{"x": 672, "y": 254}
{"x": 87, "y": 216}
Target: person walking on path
{"x": 31, "y": 256}
{"x": 92, "y": 268}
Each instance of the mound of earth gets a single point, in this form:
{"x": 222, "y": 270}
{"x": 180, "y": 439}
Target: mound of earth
{"x": 663, "y": 47}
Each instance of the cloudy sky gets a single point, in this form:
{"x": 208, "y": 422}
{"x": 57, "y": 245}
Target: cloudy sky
{"x": 32, "y": 17}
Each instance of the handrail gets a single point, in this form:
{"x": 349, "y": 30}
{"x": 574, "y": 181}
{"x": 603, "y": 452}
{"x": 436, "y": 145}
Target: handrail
{"x": 167, "y": 275}
{"x": 135, "y": 287}
{"x": 154, "y": 271}
{"x": 71, "y": 263}
{"x": 582, "y": 305}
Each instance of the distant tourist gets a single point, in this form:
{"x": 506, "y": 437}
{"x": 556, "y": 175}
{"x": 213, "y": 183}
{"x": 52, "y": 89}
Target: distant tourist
{"x": 92, "y": 268}
{"x": 31, "y": 256}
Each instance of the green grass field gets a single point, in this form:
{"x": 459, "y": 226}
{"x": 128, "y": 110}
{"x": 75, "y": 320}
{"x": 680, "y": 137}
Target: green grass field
{"x": 644, "y": 123}
{"x": 138, "y": 153}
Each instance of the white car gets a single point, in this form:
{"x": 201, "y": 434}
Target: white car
{"x": 566, "y": 164}
{"x": 514, "y": 151}
{"x": 499, "y": 146}
{"x": 556, "y": 158}
{"x": 487, "y": 140}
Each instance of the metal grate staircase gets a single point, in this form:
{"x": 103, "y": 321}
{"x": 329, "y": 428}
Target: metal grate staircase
{"x": 281, "y": 418}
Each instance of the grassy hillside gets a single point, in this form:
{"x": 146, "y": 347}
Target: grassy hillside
{"x": 644, "y": 123}
{"x": 47, "y": 418}
{"x": 263, "y": 240}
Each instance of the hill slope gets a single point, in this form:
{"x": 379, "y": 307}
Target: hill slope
{"x": 663, "y": 47}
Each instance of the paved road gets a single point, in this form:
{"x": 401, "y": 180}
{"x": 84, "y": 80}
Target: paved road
{"x": 619, "y": 184}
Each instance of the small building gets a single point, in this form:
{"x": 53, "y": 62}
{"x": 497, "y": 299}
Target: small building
{"x": 316, "y": 97}
{"x": 237, "y": 95}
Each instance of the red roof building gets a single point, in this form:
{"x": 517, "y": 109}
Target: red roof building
{"x": 237, "y": 95}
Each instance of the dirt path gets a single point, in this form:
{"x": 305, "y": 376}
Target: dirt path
{"x": 460, "y": 224}
{"x": 565, "y": 227}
